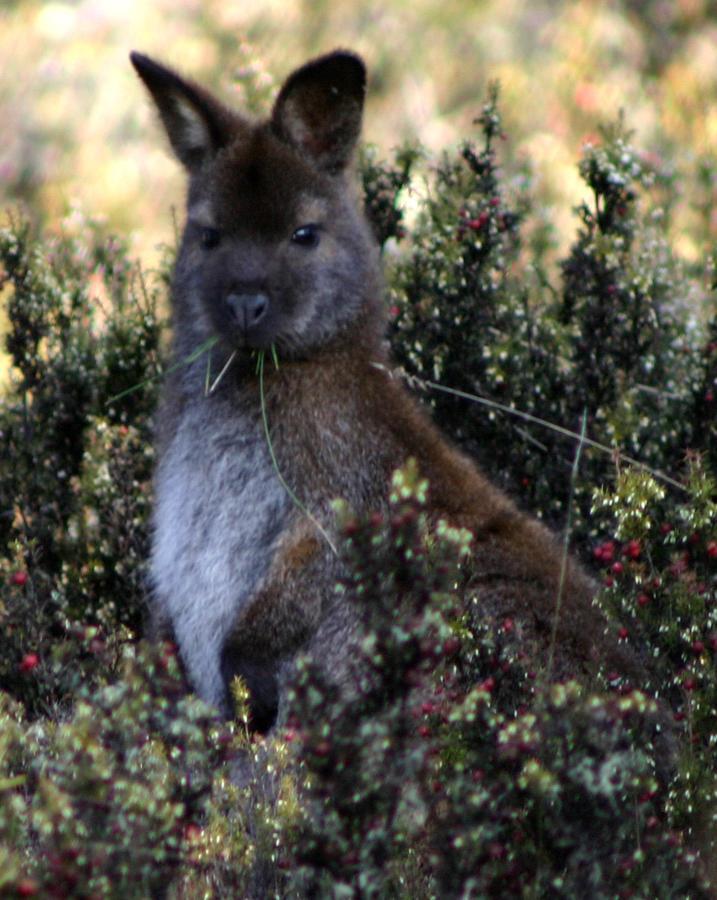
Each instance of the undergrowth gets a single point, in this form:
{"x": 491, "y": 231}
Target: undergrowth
{"x": 455, "y": 771}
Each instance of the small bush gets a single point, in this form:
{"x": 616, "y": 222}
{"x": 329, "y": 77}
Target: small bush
{"x": 102, "y": 803}
{"x": 456, "y": 772}
{"x": 74, "y": 482}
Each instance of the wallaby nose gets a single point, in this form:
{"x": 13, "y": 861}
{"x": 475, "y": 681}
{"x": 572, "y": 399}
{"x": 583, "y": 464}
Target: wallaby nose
{"x": 248, "y": 309}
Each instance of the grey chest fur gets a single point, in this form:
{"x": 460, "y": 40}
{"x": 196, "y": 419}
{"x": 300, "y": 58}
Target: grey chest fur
{"x": 218, "y": 510}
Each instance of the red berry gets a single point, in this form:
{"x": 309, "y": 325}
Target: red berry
{"x": 19, "y": 578}
{"x": 633, "y": 549}
{"x": 480, "y": 222}
{"x": 618, "y": 568}
{"x": 712, "y": 549}
{"x": 424, "y": 731}
{"x": 623, "y": 633}
{"x": 29, "y": 662}
{"x": 508, "y": 625}
{"x": 698, "y": 647}
{"x": 643, "y": 599}
{"x": 26, "y": 888}
{"x": 689, "y": 684}
{"x": 605, "y": 552}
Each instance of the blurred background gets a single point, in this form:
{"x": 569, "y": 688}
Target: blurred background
{"x": 79, "y": 138}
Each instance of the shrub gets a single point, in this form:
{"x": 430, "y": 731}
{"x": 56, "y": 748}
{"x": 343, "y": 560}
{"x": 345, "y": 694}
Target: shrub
{"x": 75, "y": 470}
{"x": 618, "y": 342}
{"x": 455, "y": 770}
{"x": 102, "y": 802}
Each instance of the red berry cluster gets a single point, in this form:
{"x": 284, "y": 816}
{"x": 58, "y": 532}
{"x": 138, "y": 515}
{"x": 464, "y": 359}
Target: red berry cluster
{"x": 29, "y": 662}
{"x": 614, "y": 557}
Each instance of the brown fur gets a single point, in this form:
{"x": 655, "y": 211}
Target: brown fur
{"x": 516, "y": 563}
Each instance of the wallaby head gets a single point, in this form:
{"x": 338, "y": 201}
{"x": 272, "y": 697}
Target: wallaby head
{"x": 275, "y": 250}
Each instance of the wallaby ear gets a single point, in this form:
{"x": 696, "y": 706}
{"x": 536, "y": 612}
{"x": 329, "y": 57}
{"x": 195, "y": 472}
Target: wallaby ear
{"x": 319, "y": 108}
{"x": 196, "y": 123}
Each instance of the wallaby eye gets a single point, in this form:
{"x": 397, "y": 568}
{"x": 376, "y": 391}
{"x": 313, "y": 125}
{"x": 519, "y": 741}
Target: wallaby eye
{"x": 209, "y": 238}
{"x": 307, "y": 236}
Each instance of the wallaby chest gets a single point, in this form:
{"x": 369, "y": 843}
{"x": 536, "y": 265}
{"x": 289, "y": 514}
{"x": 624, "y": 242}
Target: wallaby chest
{"x": 219, "y": 510}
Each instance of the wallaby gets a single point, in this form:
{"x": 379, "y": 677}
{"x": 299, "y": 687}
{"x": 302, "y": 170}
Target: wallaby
{"x": 277, "y": 253}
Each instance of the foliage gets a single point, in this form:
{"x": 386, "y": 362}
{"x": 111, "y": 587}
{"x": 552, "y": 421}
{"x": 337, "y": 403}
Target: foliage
{"x": 74, "y": 484}
{"x": 360, "y": 753}
{"x": 453, "y": 773}
{"x": 101, "y": 803}
{"x": 463, "y": 251}
{"x": 616, "y": 342}
{"x": 76, "y": 124}
{"x": 455, "y": 769}
{"x": 660, "y": 575}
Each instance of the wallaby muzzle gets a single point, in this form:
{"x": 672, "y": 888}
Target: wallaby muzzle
{"x": 247, "y": 310}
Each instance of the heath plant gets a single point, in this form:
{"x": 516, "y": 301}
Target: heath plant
{"x": 457, "y": 768}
